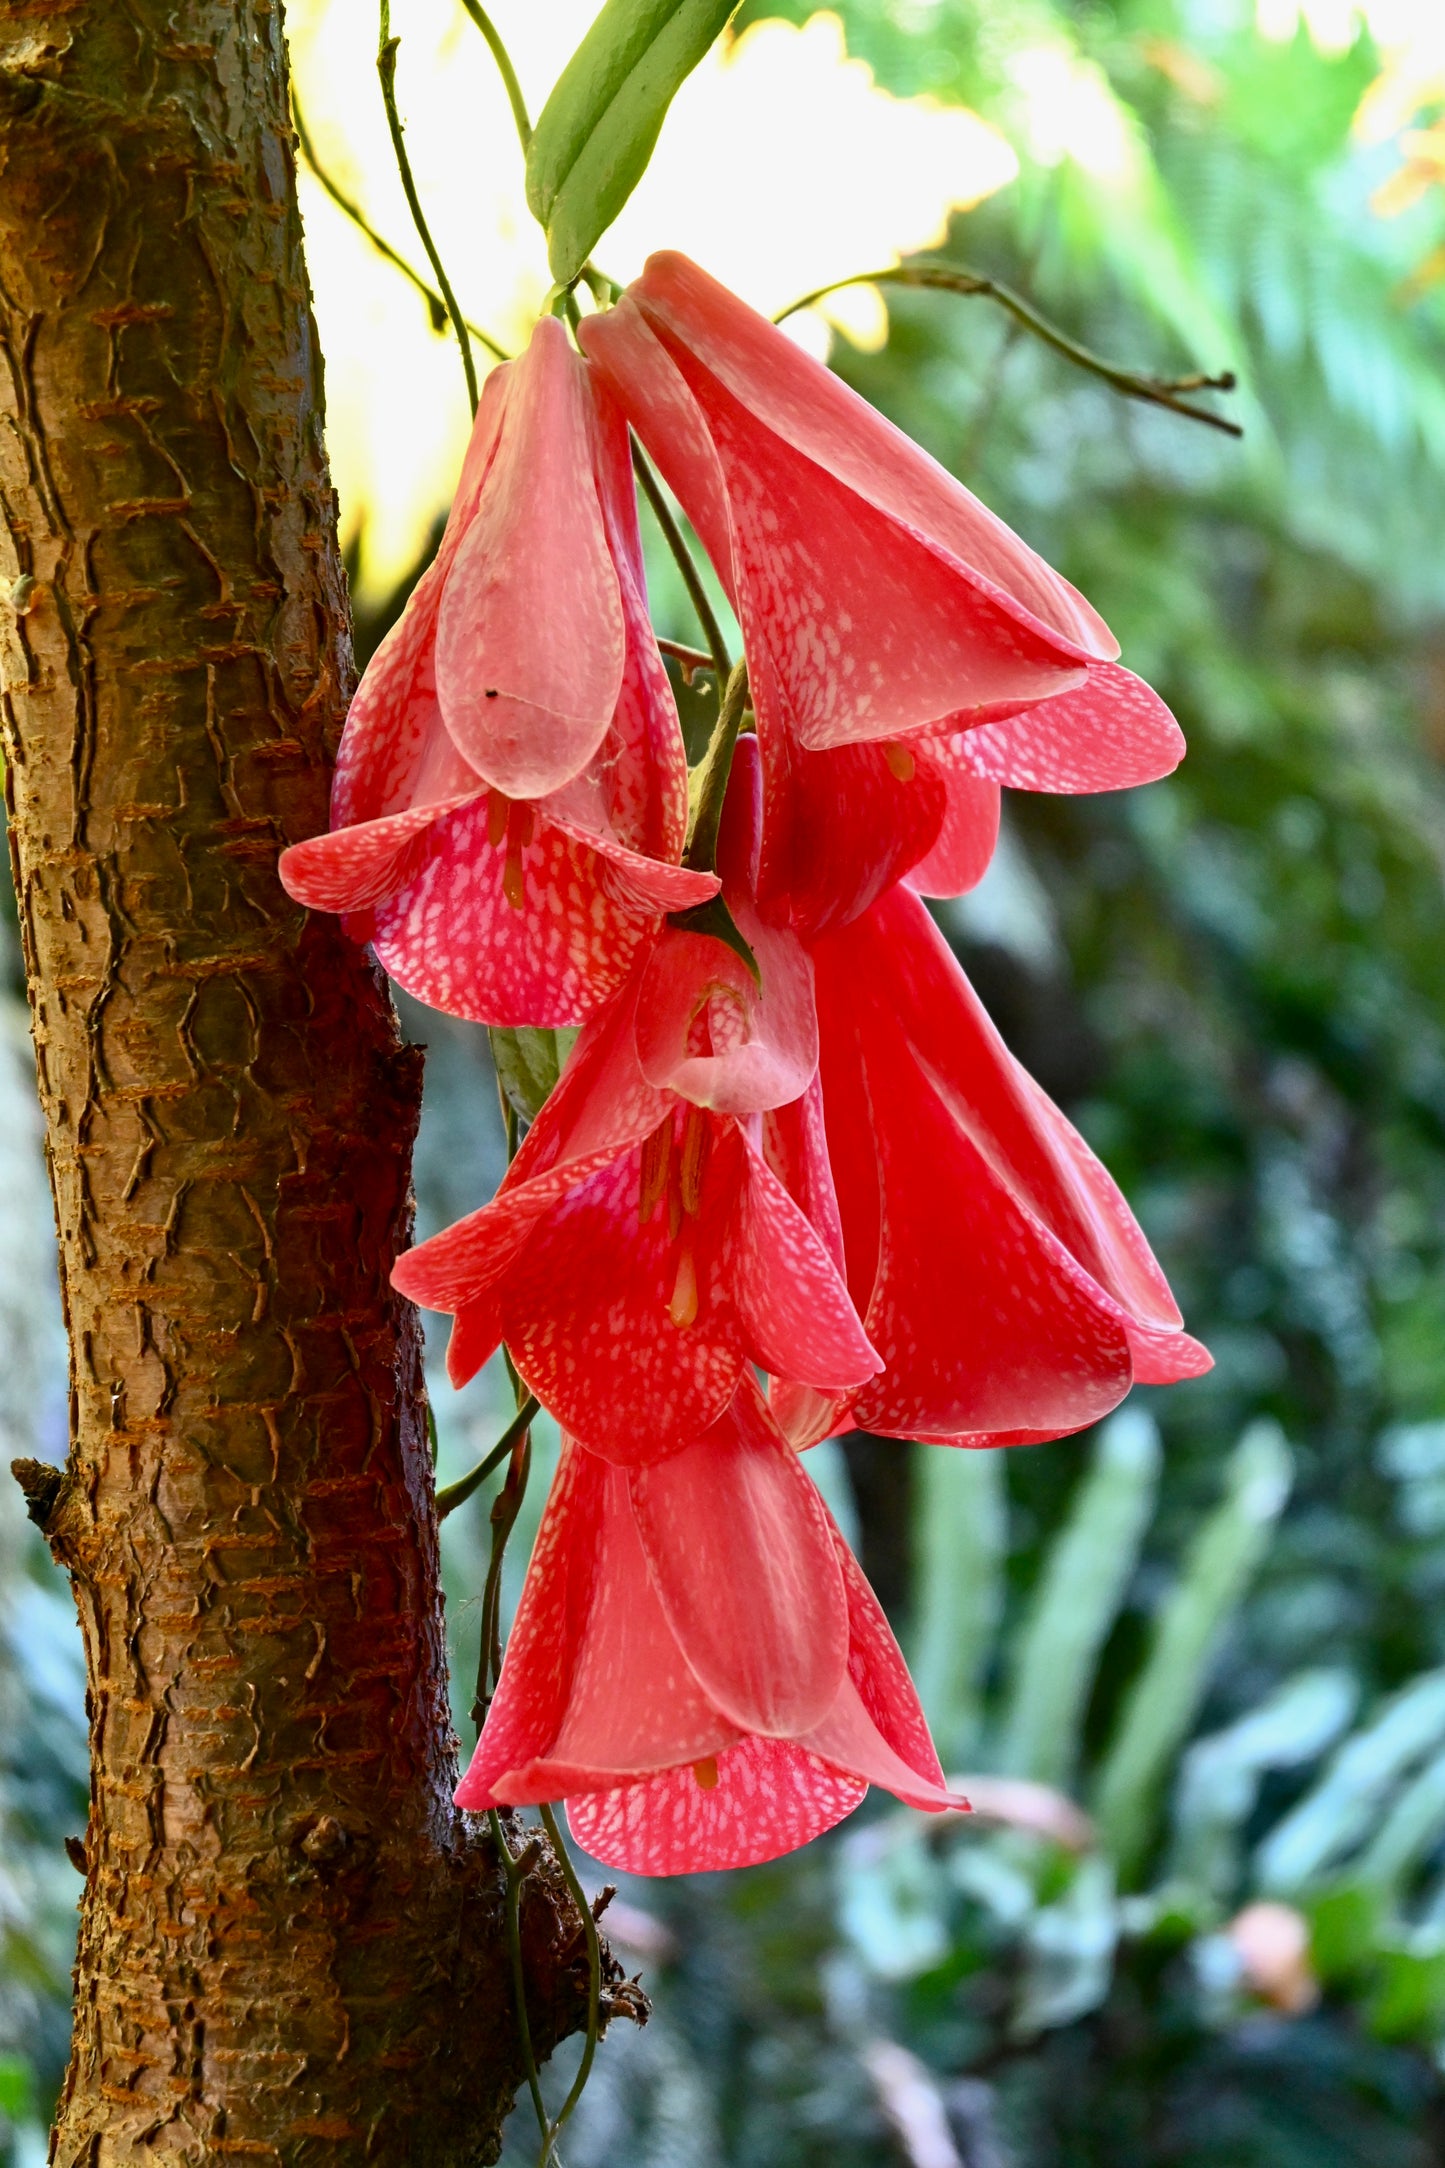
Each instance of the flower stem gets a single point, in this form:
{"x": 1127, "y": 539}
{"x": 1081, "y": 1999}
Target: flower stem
{"x": 701, "y": 852}
{"x": 386, "y": 70}
{"x": 691, "y": 577}
{"x": 1163, "y": 391}
{"x": 594, "y": 1982}
{"x": 436, "y": 307}
{"x": 505, "y": 69}
{"x": 456, "y": 1494}
{"x": 515, "y": 1871}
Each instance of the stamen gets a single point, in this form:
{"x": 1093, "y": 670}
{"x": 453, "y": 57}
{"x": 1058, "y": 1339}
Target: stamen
{"x": 656, "y": 1160}
{"x": 696, "y": 1137}
{"x": 683, "y": 1307}
{"x": 706, "y": 1773}
{"x": 901, "y": 762}
{"x": 521, "y": 822}
{"x": 499, "y": 805}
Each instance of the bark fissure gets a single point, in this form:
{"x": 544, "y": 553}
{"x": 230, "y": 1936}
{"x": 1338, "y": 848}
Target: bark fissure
{"x": 291, "y": 1948}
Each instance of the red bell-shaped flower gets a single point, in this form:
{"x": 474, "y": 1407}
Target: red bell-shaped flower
{"x": 510, "y": 799}
{"x": 886, "y": 612}
{"x": 669, "y": 1218}
{"x": 697, "y": 1665}
{"x": 1001, "y": 1276}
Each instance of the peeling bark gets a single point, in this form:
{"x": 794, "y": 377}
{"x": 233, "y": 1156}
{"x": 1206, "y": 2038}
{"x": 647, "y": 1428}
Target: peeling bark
{"x": 291, "y": 1948}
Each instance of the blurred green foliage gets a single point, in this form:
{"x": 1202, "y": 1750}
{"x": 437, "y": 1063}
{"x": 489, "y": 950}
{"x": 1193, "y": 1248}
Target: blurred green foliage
{"x": 1233, "y": 982}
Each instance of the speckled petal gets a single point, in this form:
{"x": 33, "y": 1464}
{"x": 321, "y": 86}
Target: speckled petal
{"x": 708, "y": 1032}
{"x": 795, "y": 1309}
{"x": 1109, "y": 733}
{"x": 819, "y": 415}
{"x": 452, "y": 938}
{"x": 394, "y": 727}
{"x": 531, "y": 642}
{"x": 353, "y": 867}
{"x": 769, "y": 1798}
{"x": 589, "y": 1313}
{"x": 654, "y": 396}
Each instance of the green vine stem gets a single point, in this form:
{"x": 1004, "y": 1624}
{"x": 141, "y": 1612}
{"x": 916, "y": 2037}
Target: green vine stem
{"x": 516, "y": 1871}
{"x": 435, "y": 304}
{"x": 594, "y": 1983}
{"x": 505, "y": 69}
{"x": 1159, "y": 391}
{"x": 456, "y": 1494}
{"x": 386, "y": 71}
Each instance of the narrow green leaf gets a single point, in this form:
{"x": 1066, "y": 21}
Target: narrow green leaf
{"x": 960, "y": 1544}
{"x": 1078, "y": 1599}
{"x": 597, "y": 130}
{"x": 529, "y": 1061}
{"x": 1166, "y": 1695}
{"x": 1347, "y": 1804}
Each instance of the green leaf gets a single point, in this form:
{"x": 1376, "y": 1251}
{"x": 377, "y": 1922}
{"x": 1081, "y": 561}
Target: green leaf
{"x": 1078, "y": 1599}
{"x": 1409, "y": 2002}
{"x": 597, "y": 130}
{"x": 16, "y": 2089}
{"x": 1346, "y": 1925}
{"x": 528, "y": 1062}
{"x": 715, "y": 918}
{"x": 960, "y": 1548}
{"x": 1166, "y": 1695}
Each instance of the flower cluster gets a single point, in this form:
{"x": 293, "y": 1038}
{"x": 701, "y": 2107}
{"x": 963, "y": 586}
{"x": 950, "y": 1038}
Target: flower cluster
{"x": 788, "y": 1144}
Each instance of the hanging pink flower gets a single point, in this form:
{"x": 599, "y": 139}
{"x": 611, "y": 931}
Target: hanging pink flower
{"x": 643, "y": 1249}
{"x": 1000, "y": 1274}
{"x": 697, "y": 1665}
{"x": 510, "y": 799}
{"x": 887, "y": 614}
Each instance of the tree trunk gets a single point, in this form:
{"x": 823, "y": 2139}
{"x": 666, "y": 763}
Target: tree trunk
{"x": 291, "y": 1948}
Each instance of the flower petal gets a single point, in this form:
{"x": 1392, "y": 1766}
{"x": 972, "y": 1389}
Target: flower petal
{"x": 871, "y": 629}
{"x": 768, "y": 1797}
{"x": 842, "y": 826}
{"x": 983, "y": 1319}
{"x": 530, "y": 1703}
{"x": 796, "y": 1312}
{"x": 654, "y": 395}
{"x": 1027, "y": 1140}
{"x": 531, "y": 644}
{"x": 454, "y": 939}
{"x": 706, "y": 1031}
{"x": 815, "y": 413}
{"x": 741, "y": 1554}
{"x": 1107, "y": 734}
{"x": 960, "y": 858}
{"x": 591, "y": 1312}
{"x": 394, "y": 727}
{"x": 352, "y": 867}
{"x": 849, "y": 1738}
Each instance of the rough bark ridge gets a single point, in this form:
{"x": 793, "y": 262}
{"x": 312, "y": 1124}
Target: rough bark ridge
{"x": 290, "y": 1948}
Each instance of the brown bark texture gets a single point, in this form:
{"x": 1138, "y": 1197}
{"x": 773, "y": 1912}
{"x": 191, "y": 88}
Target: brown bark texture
{"x": 291, "y": 1948}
